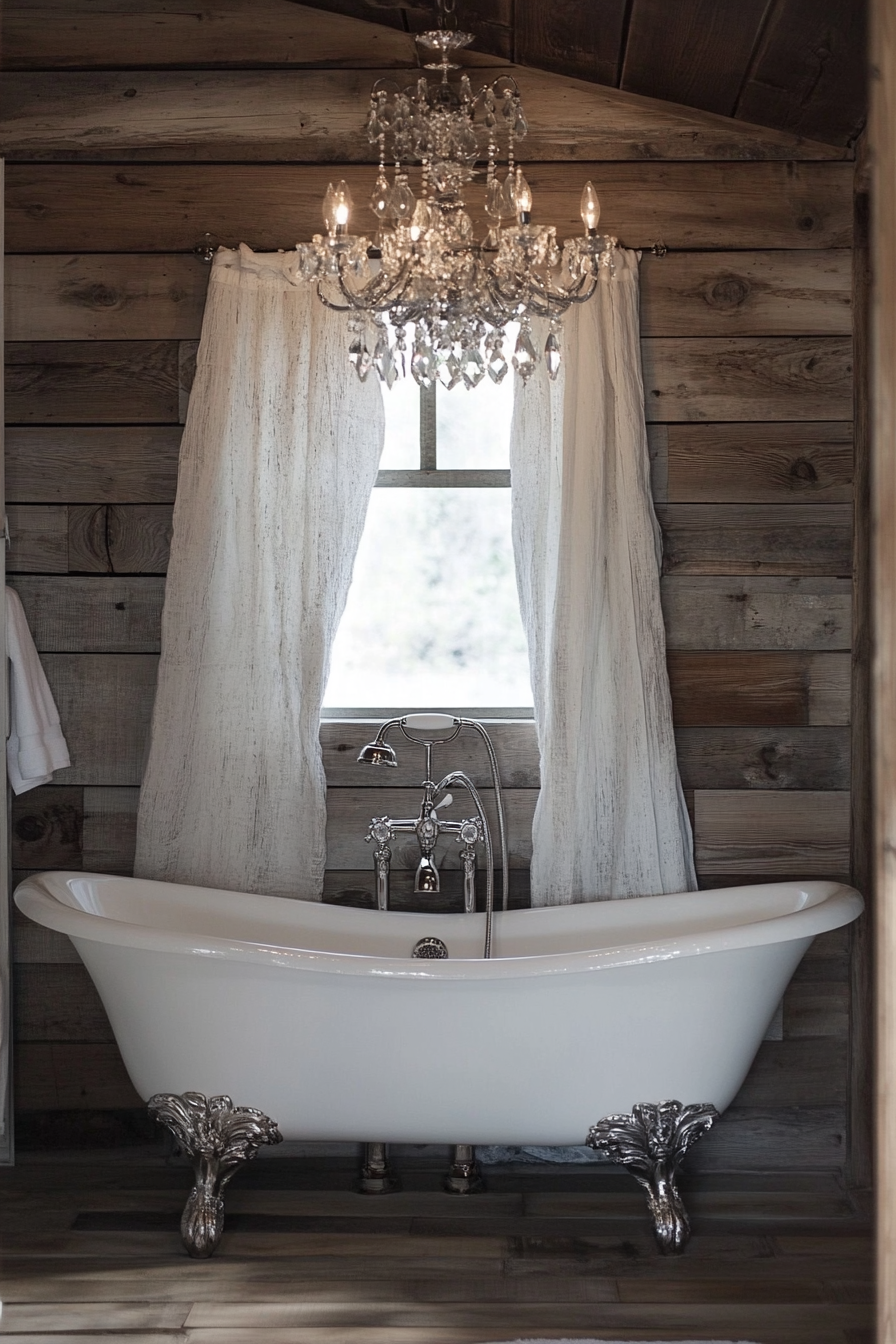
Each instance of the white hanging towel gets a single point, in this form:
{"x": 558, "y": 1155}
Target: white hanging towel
{"x": 35, "y": 746}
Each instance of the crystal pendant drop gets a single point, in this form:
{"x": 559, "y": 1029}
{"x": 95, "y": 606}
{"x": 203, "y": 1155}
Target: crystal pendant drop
{"x": 449, "y": 372}
{"x": 497, "y": 365}
{"x": 472, "y": 368}
{"x": 423, "y": 366}
{"x": 381, "y": 200}
{"x": 552, "y": 355}
{"x": 365, "y": 363}
{"x": 384, "y": 363}
{"x": 493, "y": 198}
{"x": 524, "y": 356}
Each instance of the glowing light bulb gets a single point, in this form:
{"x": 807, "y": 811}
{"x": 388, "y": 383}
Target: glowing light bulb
{"x": 590, "y": 207}
{"x": 337, "y": 207}
{"x": 522, "y": 197}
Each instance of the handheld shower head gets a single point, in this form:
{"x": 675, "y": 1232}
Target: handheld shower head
{"x": 378, "y": 752}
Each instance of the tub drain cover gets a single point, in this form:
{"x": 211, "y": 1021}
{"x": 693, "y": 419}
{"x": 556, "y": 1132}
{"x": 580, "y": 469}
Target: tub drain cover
{"x": 432, "y": 948}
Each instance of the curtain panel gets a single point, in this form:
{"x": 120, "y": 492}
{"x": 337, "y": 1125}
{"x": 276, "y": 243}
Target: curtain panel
{"x": 279, "y": 456}
{"x": 611, "y": 819}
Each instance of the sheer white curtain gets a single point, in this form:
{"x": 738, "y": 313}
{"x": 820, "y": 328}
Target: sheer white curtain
{"x": 279, "y": 457}
{"x": 611, "y": 819}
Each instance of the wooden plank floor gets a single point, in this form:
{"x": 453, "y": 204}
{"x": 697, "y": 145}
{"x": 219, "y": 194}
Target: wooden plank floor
{"x": 91, "y": 1251}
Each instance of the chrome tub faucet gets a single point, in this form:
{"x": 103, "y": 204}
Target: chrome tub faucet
{"x": 428, "y": 826}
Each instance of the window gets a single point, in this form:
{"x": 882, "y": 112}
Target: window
{"x": 432, "y": 619}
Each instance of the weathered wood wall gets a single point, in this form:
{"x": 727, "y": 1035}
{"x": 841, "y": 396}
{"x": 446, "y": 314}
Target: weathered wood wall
{"x": 747, "y": 328}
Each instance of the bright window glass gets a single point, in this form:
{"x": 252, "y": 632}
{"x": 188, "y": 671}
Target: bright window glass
{"x": 432, "y": 619}
{"x": 473, "y": 427}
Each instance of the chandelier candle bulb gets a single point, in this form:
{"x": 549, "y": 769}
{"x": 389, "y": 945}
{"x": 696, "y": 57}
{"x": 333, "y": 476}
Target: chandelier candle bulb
{"x": 337, "y": 208}
{"x": 590, "y": 208}
{"x": 461, "y": 296}
{"x": 522, "y": 196}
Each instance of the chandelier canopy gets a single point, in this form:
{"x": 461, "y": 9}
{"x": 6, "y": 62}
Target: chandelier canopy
{"x": 425, "y": 268}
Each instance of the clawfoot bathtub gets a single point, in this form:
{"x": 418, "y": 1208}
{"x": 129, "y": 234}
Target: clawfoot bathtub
{"x": 584, "y": 1019}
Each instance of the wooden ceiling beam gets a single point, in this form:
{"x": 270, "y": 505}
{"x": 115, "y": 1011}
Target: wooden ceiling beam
{"x": 317, "y": 116}
{"x": 703, "y": 56}
{"x": 572, "y": 38}
{"x": 810, "y": 71}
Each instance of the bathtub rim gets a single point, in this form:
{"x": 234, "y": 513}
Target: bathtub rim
{"x": 835, "y": 905}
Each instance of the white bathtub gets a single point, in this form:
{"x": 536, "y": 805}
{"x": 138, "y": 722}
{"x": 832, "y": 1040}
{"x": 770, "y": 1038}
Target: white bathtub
{"x": 318, "y": 1016}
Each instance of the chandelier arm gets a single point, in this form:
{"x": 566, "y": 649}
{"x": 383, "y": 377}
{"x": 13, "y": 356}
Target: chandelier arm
{"x": 378, "y": 294}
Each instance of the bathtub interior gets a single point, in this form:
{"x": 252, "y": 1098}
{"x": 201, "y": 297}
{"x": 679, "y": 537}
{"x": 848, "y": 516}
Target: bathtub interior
{"x": 277, "y": 922}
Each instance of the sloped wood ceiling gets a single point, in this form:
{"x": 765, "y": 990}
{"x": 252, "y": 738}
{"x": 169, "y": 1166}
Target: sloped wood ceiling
{"x": 795, "y": 65}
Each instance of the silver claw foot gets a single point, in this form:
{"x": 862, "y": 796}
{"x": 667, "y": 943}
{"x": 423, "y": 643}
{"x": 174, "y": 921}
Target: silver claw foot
{"x": 464, "y": 1176}
{"x": 218, "y": 1137}
{"x": 377, "y": 1177}
{"x": 651, "y": 1142}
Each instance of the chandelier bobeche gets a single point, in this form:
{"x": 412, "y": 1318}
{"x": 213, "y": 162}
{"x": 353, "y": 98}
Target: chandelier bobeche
{"x": 425, "y": 269}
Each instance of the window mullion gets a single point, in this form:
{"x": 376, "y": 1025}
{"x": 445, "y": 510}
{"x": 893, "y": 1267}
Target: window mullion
{"x": 428, "y": 428}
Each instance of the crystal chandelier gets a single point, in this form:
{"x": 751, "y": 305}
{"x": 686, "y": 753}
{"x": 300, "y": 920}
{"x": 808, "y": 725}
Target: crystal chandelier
{"x": 425, "y": 269}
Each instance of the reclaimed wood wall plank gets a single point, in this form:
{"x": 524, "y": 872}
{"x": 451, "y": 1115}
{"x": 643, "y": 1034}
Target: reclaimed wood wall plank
{"x": 747, "y": 294}
{"x": 515, "y": 747}
{"x": 105, "y": 704}
{"x": 779, "y": 832}
{"x": 110, "y": 829}
{"x": 816, "y": 1009}
{"x": 32, "y": 942}
{"x": 763, "y": 758}
{"x": 170, "y": 208}
{"x": 38, "y": 539}
{"x": 709, "y": 757}
{"x": 798, "y": 539}
{"x": 754, "y": 463}
{"x": 760, "y": 613}
{"x": 745, "y": 689}
{"x": 129, "y": 382}
{"x": 797, "y": 1072}
{"x": 48, "y": 828}
{"x": 807, "y": 1137}
{"x": 107, "y": 297}
{"x": 119, "y": 538}
{"x": 69, "y": 1075}
{"x": 91, "y": 382}
{"x": 54, "y": 1002}
{"x": 92, "y": 615}
{"x": 747, "y": 378}
{"x": 56, "y": 33}
{"x": 117, "y": 296}
{"x": 99, "y": 464}
{"x": 311, "y": 116}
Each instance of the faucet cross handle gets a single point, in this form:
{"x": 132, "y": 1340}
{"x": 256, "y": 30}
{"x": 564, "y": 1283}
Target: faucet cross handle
{"x": 380, "y": 830}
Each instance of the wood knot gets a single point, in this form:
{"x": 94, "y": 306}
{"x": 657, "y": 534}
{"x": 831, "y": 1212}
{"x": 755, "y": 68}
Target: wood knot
{"x": 95, "y": 295}
{"x": 728, "y": 292}
{"x": 802, "y": 470}
{"x": 31, "y": 828}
